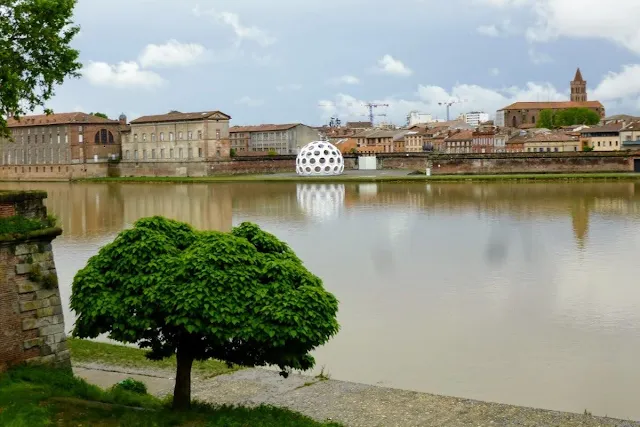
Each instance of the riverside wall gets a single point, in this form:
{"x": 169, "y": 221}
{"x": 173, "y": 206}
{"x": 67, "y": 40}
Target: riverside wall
{"x": 499, "y": 163}
{"x": 31, "y": 319}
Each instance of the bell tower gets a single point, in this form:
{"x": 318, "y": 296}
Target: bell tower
{"x": 578, "y": 88}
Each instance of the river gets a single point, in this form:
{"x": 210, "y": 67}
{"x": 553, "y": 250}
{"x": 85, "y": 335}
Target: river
{"x": 506, "y": 292}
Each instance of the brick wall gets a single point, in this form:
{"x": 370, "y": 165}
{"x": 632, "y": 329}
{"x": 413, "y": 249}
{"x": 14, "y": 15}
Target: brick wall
{"x": 54, "y": 172}
{"x": 31, "y": 320}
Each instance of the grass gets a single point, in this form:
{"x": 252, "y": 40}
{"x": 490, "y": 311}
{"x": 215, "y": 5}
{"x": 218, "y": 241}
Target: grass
{"x": 594, "y": 176}
{"x": 85, "y": 351}
{"x": 18, "y": 224}
{"x": 38, "y": 396}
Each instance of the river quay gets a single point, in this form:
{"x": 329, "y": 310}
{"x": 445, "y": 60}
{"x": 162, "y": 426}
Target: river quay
{"x": 352, "y": 404}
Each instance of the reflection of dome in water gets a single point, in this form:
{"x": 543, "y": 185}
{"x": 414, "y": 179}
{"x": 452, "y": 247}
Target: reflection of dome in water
{"x": 319, "y": 158}
{"x": 321, "y": 201}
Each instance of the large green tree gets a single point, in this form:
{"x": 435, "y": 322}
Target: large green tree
{"x": 242, "y": 297}
{"x": 35, "y": 53}
{"x": 553, "y": 119}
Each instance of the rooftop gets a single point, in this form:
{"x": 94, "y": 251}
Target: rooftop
{"x": 263, "y": 128}
{"x": 552, "y": 105}
{"x": 633, "y": 126}
{"x": 57, "y": 119}
{"x": 177, "y": 116}
{"x": 611, "y": 127}
{"x": 464, "y": 135}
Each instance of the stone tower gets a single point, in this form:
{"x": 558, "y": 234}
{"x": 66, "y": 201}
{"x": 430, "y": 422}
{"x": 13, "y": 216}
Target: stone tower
{"x": 578, "y": 88}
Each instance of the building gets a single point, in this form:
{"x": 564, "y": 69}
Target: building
{"x": 620, "y": 118}
{"x": 415, "y": 118}
{"x": 279, "y": 139}
{"x": 459, "y": 142}
{"x": 527, "y": 114}
{"x": 63, "y": 138}
{"x": 501, "y": 138}
{"x": 602, "y": 138}
{"x": 630, "y": 136}
{"x": 474, "y": 118}
{"x": 483, "y": 141}
{"x": 177, "y": 137}
{"x": 515, "y": 144}
{"x": 377, "y": 141}
{"x": 414, "y": 141}
{"x": 556, "y": 141}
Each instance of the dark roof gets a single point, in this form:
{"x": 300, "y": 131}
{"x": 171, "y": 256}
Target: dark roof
{"x": 633, "y": 126}
{"x": 464, "y": 135}
{"x": 611, "y": 127}
{"x": 578, "y": 77}
{"x": 263, "y": 128}
{"x": 359, "y": 125}
{"x": 176, "y": 116}
{"x": 557, "y": 105}
{"x": 58, "y": 119}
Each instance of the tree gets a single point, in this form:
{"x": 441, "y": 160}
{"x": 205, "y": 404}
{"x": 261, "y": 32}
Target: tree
{"x": 103, "y": 115}
{"x": 35, "y": 53}
{"x": 242, "y": 297}
{"x": 553, "y": 119}
{"x": 546, "y": 119}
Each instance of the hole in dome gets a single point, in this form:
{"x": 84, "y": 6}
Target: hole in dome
{"x": 326, "y": 152}
{"x": 323, "y": 160}
{"x": 334, "y": 153}
{"x": 304, "y": 161}
{"x": 308, "y": 169}
{"x": 316, "y": 153}
{"x": 336, "y": 168}
{"x": 327, "y": 168}
{"x": 318, "y": 168}
{"x": 312, "y": 161}
{"x": 339, "y": 160}
{"x": 332, "y": 160}
{"x": 320, "y": 145}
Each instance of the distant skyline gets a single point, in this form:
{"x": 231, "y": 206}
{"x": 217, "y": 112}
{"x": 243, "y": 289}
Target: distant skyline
{"x": 290, "y": 61}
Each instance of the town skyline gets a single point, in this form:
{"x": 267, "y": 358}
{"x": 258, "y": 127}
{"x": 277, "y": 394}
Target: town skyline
{"x": 293, "y": 63}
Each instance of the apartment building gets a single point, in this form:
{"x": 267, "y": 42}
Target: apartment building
{"x": 414, "y": 141}
{"x": 63, "y": 138}
{"x": 459, "y": 142}
{"x": 483, "y": 141}
{"x": 558, "y": 142}
{"x": 602, "y": 138}
{"x": 630, "y": 136}
{"x": 379, "y": 141}
{"x": 177, "y": 137}
{"x": 276, "y": 138}
{"x": 474, "y": 118}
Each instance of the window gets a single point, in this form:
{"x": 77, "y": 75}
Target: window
{"x": 144, "y": 154}
{"x": 598, "y": 143}
{"x": 616, "y": 143}
{"x": 190, "y": 135}
{"x": 548, "y": 149}
{"x": 555, "y": 149}
{"x": 217, "y": 133}
{"x": 180, "y": 153}
{"x": 180, "y": 135}
{"x": 51, "y": 139}
{"x": 171, "y": 153}
{"x": 610, "y": 144}
{"x": 35, "y": 138}
{"x": 161, "y": 136}
{"x": 153, "y": 137}
{"x": 199, "y": 134}
{"x": 199, "y": 152}
{"x": 162, "y": 153}
{"x": 126, "y": 154}
{"x": 575, "y": 148}
{"x": 218, "y": 152}
{"x": 80, "y": 138}
{"x": 103, "y": 136}
{"x": 28, "y": 139}
{"x": 135, "y": 154}
{"x": 135, "y": 136}
{"x": 79, "y": 128}
{"x": 144, "y": 137}
{"x": 153, "y": 153}
{"x": 190, "y": 152}
{"x": 170, "y": 136}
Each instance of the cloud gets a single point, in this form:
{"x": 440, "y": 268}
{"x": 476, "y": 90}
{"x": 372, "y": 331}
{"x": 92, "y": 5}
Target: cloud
{"x": 389, "y": 65}
{"x": 250, "y": 102}
{"x": 121, "y": 75}
{"x": 345, "y": 80}
{"x": 470, "y": 98}
{"x": 488, "y": 30}
{"x": 171, "y": 54}
{"x": 292, "y": 87}
{"x": 494, "y": 71}
{"x": 242, "y": 32}
{"x": 538, "y": 58}
{"x": 624, "y": 85}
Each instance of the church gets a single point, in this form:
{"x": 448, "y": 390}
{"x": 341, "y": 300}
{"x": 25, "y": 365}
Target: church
{"x": 525, "y": 115}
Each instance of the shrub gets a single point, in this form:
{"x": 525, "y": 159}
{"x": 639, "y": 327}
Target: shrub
{"x": 132, "y": 385}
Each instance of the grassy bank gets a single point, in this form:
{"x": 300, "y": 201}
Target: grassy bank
{"x": 84, "y": 351}
{"x": 35, "y": 396}
{"x": 613, "y": 176}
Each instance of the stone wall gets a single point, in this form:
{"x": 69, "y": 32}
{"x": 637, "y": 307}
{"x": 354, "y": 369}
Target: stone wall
{"x": 31, "y": 320}
{"x": 54, "y": 172}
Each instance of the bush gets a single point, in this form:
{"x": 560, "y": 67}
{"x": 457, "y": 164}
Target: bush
{"x": 132, "y": 385}
{"x": 232, "y": 152}
{"x": 272, "y": 153}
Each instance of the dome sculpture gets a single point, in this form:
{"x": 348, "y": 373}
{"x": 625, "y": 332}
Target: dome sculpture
{"x": 319, "y": 158}
{"x": 321, "y": 202}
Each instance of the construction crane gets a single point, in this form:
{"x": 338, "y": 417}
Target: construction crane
{"x": 371, "y": 106}
{"x": 450, "y": 103}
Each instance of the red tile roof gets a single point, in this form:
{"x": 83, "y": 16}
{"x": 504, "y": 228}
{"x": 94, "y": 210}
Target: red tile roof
{"x": 263, "y": 128}
{"x": 611, "y": 127}
{"x": 58, "y": 119}
{"x": 176, "y": 116}
{"x": 552, "y": 105}
{"x": 465, "y": 135}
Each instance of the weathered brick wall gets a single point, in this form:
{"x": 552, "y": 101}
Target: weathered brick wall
{"x": 31, "y": 320}
{"x": 53, "y": 172}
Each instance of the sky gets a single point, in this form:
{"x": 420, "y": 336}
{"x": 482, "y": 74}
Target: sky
{"x": 286, "y": 61}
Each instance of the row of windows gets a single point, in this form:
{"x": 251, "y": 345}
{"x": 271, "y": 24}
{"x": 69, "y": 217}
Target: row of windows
{"x": 34, "y": 156}
{"x": 143, "y": 136}
{"x": 604, "y": 144}
{"x": 161, "y": 154}
{"x": 547, "y": 149}
{"x": 44, "y": 169}
{"x": 270, "y": 136}
{"x": 41, "y": 138}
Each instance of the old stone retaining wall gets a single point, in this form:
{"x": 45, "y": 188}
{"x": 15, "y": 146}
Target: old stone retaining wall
{"x": 31, "y": 320}
{"x": 53, "y": 172}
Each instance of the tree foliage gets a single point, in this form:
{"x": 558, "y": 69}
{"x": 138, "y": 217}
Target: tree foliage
{"x": 553, "y": 119}
{"x": 242, "y": 297}
{"x": 35, "y": 53}
{"x": 103, "y": 115}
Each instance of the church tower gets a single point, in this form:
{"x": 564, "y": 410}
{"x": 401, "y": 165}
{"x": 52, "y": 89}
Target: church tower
{"x": 578, "y": 88}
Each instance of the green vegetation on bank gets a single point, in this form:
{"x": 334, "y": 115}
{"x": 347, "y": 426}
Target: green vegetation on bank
{"x": 420, "y": 177}
{"x": 85, "y": 351}
{"x": 19, "y": 225}
{"x": 38, "y": 396}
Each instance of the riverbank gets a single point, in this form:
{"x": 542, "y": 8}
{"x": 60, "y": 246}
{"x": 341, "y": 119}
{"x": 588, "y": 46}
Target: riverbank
{"x": 324, "y": 399}
{"x": 379, "y": 176}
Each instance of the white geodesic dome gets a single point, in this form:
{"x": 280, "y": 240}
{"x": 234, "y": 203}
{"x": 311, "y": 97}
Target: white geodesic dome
{"x": 321, "y": 201}
{"x": 319, "y": 158}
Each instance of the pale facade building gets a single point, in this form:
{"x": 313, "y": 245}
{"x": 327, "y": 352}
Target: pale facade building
{"x": 630, "y": 136}
{"x": 602, "y": 138}
{"x": 416, "y": 118}
{"x": 272, "y": 138}
{"x": 177, "y": 137}
{"x": 474, "y": 118}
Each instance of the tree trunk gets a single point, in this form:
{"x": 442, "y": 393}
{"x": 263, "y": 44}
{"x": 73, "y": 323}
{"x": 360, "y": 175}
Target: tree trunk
{"x": 182, "y": 390}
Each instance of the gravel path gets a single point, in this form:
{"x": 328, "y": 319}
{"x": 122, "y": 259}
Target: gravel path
{"x": 355, "y": 405}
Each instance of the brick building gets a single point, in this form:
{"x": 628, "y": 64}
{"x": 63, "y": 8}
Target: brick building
{"x": 527, "y": 114}
{"x": 459, "y": 142}
{"x": 483, "y": 141}
{"x": 177, "y": 137}
{"x": 262, "y": 139}
{"x": 63, "y": 138}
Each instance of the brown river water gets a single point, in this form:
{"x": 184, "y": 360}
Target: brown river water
{"x": 526, "y": 294}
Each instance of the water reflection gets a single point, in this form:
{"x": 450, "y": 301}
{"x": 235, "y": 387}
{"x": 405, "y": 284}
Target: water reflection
{"x": 518, "y": 293}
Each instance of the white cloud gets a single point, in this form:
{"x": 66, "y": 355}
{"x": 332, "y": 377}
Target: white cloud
{"x": 121, "y": 75}
{"x": 469, "y": 98}
{"x": 488, "y": 30}
{"x": 346, "y": 80}
{"x": 171, "y": 54}
{"x": 625, "y": 84}
{"x": 242, "y": 32}
{"x": 539, "y": 58}
{"x": 389, "y": 65}
{"x": 292, "y": 87}
{"x": 494, "y": 71}
{"x": 250, "y": 102}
